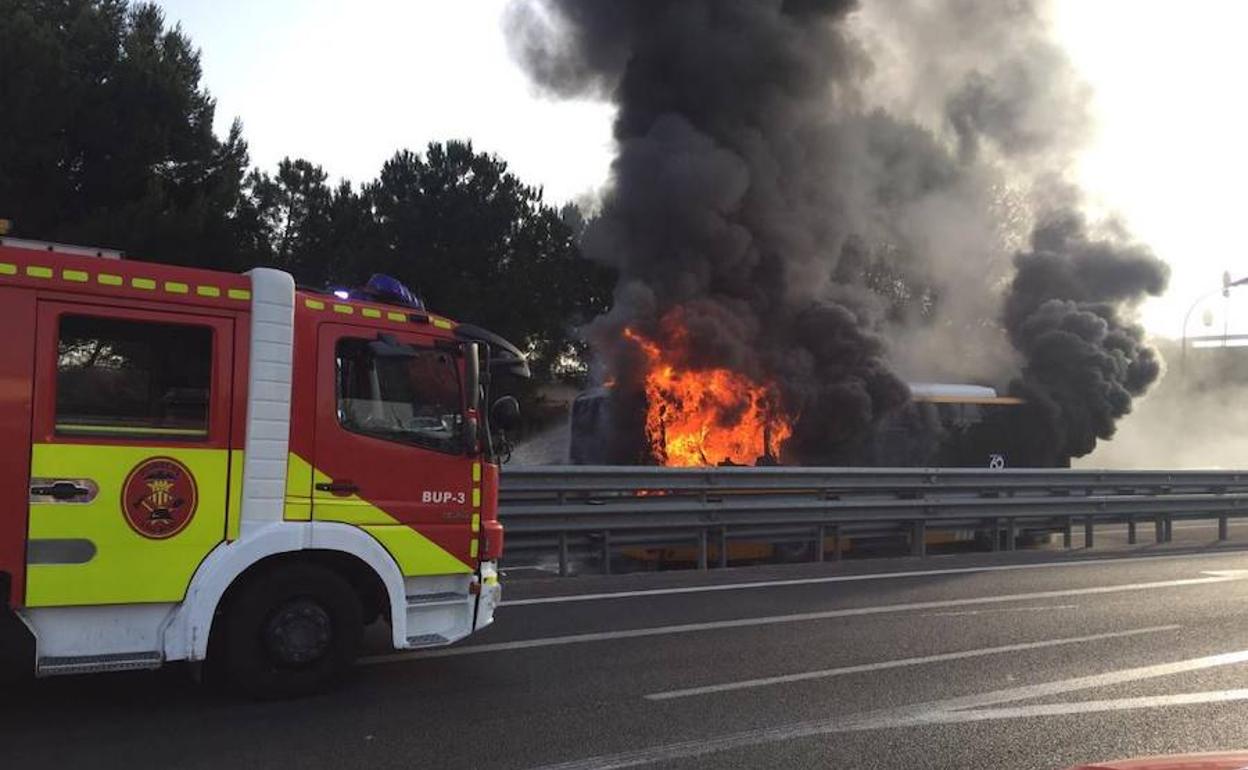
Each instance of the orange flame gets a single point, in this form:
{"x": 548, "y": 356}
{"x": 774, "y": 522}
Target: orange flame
{"x": 707, "y": 416}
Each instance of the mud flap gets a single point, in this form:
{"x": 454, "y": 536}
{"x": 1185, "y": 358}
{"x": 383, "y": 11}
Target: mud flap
{"x": 17, "y": 649}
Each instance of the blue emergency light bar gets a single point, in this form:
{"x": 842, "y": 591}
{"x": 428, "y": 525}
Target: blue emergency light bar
{"x": 383, "y": 288}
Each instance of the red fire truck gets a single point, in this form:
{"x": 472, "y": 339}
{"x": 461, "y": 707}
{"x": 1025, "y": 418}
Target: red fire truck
{"x": 200, "y": 466}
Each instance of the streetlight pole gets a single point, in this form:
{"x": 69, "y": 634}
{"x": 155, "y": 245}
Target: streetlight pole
{"x": 1227, "y": 284}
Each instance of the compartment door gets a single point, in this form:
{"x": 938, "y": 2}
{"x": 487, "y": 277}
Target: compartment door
{"x": 130, "y": 455}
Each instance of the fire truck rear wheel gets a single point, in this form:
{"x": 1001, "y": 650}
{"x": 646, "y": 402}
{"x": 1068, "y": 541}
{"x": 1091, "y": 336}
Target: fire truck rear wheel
{"x": 293, "y": 631}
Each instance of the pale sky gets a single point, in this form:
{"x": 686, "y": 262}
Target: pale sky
{"x": 345, "y": 84}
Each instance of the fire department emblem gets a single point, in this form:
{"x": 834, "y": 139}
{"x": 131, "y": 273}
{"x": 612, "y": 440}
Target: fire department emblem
{"x": 159, "y": 497}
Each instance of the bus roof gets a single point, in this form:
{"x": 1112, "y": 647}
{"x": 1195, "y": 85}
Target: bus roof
{"x": 957, "y": 393}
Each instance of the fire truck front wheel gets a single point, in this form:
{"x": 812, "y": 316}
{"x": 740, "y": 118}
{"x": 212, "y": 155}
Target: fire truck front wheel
{"x": 294, "y": 630}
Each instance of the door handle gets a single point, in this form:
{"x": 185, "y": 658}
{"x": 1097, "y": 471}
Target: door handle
{"x": 338, "y": 487}
{"x": 62, "y": 490}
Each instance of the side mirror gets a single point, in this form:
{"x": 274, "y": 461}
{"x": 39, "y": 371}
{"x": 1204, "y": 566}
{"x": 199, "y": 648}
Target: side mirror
{"x": 505, "y": 414}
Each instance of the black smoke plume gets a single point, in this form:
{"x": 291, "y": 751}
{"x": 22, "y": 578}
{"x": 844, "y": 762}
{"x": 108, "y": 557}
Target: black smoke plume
{"x": 1069, "y": 311}
{"x": 717, "y": 208}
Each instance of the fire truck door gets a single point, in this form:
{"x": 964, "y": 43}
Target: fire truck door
{"x": 390, "y": 452}
{"x": 130, "y": 453}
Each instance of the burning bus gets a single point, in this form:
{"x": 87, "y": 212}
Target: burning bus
{"x": 943, "y": 425}
{"x": 667, "y": 403}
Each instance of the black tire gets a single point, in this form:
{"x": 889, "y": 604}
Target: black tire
{"x": 294, "y": 630}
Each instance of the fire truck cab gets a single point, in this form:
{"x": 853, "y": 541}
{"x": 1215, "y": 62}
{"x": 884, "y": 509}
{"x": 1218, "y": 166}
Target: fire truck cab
{"x": 201, "y": 466}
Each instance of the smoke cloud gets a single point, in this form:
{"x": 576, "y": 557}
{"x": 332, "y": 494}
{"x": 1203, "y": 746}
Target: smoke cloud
{"x": 827, "y": 197}
{"x": 1068, "y": 312}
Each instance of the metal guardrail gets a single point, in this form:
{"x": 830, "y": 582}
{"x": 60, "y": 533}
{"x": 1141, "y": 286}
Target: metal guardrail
{"x": 601, "y": 507}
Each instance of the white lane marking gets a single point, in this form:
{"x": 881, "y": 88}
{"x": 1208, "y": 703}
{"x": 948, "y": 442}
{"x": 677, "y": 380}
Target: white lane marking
{"x": 1037, "y": 608}
{"x": 1063, "y": 686}
{"x": 1092, "y": 706}
{"x": 962, "y": 709}
{"x": 767, "y": 620}
{"x": 845, "y": 579}
{"x": 900, "y": 663}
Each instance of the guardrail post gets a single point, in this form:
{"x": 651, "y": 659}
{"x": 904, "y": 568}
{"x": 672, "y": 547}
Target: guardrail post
{"x": 563, "y": 554}
{"x": 836, "y": 542}
{"x": 1011, "y": 533}
{"x": 1169, "y": 528}
{"x": 996, "y": 535}
{"x": 1222, "y": 528}
{"x": 1088, "y": 539}
{"x": 606, "y": 552}
{"x": 1068, "y": 526}
{"x": 702, "y": 560}
{"x": 1130, "y": 529}
{"x": 821, "y": 533}
{"x": 1159, "y": 528}
{"x": 918, "y": 539}
{"x": 723, "y": 546}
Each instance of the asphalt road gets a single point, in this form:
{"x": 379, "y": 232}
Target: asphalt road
{"x": 1023, "y": 660}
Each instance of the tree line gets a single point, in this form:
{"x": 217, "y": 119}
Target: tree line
{"x": 106, "y": 138}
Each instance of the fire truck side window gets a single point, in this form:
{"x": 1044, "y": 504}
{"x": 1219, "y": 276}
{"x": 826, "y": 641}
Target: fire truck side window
{"x": 117, "y": 377}
{"x": 413, "y": 398}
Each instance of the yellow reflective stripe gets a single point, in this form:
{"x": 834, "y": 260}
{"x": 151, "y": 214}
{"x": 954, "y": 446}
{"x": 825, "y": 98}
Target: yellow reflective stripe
{"x": 7, "y": 268}
{"x": 108, "y": 279}
{"x": 476, "y": 522}
{"x": 234, "y": 518}
{"x": 299, "y": 477}
{"x": 127, "y": 567}
{"x": 208, "y": 291}
{"x": 400, "y": 317}
{"x": 146, "y": 284}
{"x": 314, "y": 304}
{"x": 69, "y": 427}
{"x": 239, "y": 294}
{"x": 369, "y": 312}
{"x": 77, "y": 276}
{"x": 476, "y": 497}
{"x": 34, "y": 271}
{"x": 476, "y": 472}
{"x": 298, "y": 510}
{"x": 346, "y": 309}
{"x": 472, "y": 548}
{"x": 441, "y": 323}
{"x": 414, "y": 553}
{"x": 176, "y": 287}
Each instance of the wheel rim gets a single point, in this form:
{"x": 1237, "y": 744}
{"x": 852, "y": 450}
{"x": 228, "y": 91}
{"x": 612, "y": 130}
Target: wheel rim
{"x": 298, "y": 632}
